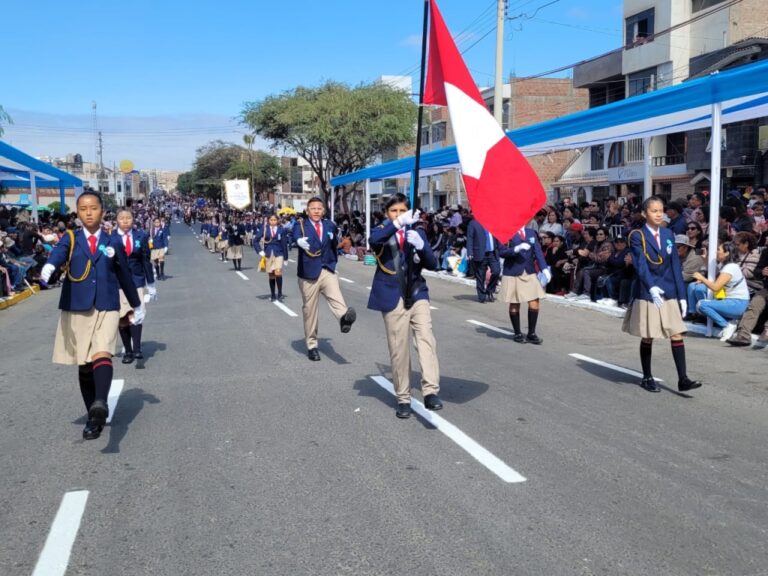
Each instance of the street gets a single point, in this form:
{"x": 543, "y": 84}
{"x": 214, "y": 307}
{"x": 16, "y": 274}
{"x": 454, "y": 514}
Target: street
{"x": 231, "y": 453}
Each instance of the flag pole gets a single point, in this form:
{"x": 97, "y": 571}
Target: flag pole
{"x": 416, "y": 165}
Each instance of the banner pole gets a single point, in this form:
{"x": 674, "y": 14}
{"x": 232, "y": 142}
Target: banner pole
{"x": 417, "y": 161}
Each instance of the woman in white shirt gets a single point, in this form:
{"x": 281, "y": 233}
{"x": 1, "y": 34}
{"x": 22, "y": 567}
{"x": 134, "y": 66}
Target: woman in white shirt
{"x": 552, "y": 224}
{"x": 730, "y": 278}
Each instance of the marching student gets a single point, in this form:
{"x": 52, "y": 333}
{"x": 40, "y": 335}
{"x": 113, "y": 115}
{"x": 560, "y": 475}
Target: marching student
{"x": 96, "y": 270}
{"x": 136, "y": 245}
{"x": 400, "y": 293}
{"x": 159, "y": 248}
{"x": 213, "y": 235}
{"x": 482, "y": 250}
{"x": 236, "y": 234}
{"x": 659, "y": 294}
{"x": 223, "y": 243}
{"x": 317, "y": 240}
{"x": 204, "y": 231}
{"x": 520, "y": 281}
{"x": 274, "y": 246}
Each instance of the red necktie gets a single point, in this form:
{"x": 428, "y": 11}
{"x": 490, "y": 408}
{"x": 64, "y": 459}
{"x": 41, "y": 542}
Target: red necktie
{"x": 319, "y": 230}
{"x": 658, "y": 242}
{"x": 273, "y": 233}
{"x": 522, "y": 235}
{"x": 401, "y": 238}
{"x": 92, "y": 241}
{"x": 128, "y": 246}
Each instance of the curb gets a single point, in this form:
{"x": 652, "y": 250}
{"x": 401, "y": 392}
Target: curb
{"x": 8, "y": 302}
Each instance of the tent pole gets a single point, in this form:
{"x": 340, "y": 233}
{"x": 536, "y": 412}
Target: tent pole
{"x": 333, "y": 203}
{"x": 33, "y": 191}
{"x": 62, "y": 198}
{"x": 457, "y": 174}
{"x": 367, "y": 213}
{"x": 714, "y": 196}
{"x": 647, "y": 178}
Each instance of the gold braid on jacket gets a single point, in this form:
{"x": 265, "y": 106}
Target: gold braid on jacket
{"x": 304, "y": 235}
{"x": 69, "y": 260}
{"x": 645, "y": 247}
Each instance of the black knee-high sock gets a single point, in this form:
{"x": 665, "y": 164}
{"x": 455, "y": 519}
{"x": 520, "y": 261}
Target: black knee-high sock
{"x": 125, "y": 336}
{"x": 533, "y": 317}
{"x": 157, "y": 269}
{"x": 87, "y": 390}
{"x": 135, "y": 331}
{"x": 102, "y": 377}
{"x": 515, "y": 318}
{"x": 279, "y": 280}
{"x": 239, "y": 263}
{"x": 272, "y": 286}
{"x": 645, "y": 358}
{"x": 162, "y": 268}
{"x": 678, "y": 353}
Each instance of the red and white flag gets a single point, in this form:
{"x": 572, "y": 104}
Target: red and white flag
{"x": 504, "y": 191}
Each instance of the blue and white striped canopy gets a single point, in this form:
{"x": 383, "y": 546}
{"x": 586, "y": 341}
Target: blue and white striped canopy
{"x": 16, "y": 166}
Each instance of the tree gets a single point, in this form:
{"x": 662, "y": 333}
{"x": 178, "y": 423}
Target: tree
{"x": 212, "y": 162}
{"x": 56, "y": 205}
{"x": 336, "y": 129}
{"x": 263, "y": 169}
{"x": 4, "y": 117}
{"x": 185, "y": 182}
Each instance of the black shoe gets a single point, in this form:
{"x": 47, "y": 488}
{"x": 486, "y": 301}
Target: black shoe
{"x": 91, "y": 431}
{"x": 432, "y": 402}
{"x": 128, "y": 357}
{"x": 403, "y": 411}
{"x": 688, "y": 384}
{"x": 650, "y": 385}
{"x": 280, "y": 297}
{"x": 518, "y": 337}
{"x": 481, "y": 300}
{"x": 273, "y": 298}
{"x": 98, "y": 412}
{"x": 347, "y": 320}
{"x": 533, "y": 339}
{"x": 313, "y": 355}
{"x": 491, "y": 298}
{"x": 138, "y": 355}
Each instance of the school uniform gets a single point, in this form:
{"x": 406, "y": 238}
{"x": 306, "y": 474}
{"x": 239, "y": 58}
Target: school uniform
{"x": 274, "y": 244}
{"x": 204, "y": 231}
{"x": 159, "y": 244}
{"x": 656, "y": 263}
{"x": 249, "y": 233}
{"x": 316, "y": 271}
{"x": 400, "y": 293}
{"x": 236, "y": 240}
{"x": 483, "y": 248}
{"x": 519, "y": 282}
{"x": 136, "y": 245}
{"x": 213, "y": 233}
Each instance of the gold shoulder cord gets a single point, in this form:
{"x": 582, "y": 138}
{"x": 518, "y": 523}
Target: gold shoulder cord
{"x": 69, "y": 260}
{"x": 645, "y": 248}
{"x": 378, "y": 255}
{"x": 303, "y": 234}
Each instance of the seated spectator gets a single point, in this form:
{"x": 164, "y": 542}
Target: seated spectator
{"x": 732, "y": 304}
{"x": 755, "y": 309}
{"x": 690, "y": 261}
{"x": 552, "y": 224}
{"x": 557, "y": 258}
{"x": 695, "y": 234}
{"x": 619, "y": 273}
{"x": 747, "y": 256}
{"x": 583, "y": 257}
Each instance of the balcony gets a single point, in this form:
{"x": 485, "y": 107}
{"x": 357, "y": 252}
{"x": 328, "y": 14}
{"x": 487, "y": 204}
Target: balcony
{"x": 668, "y": 160}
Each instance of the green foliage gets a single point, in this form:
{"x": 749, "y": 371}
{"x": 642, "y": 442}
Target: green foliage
{"x": 4, "y": 117}
{"x": 185, "y": 182}
{"x": 56, "y": 205}
{"x": 336, "y": 129}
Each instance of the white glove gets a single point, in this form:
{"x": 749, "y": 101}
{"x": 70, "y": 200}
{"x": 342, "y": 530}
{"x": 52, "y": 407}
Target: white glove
{"x": 303, "y": 243}
{"x": 165, "y": 250}
{"x": 545, "y": 276}
{"x": 152, "y": 291}
{"x": 656, "y": 293}
{"x": 138, "y": 315}
{"x": 414, "y": 239}
{"x": 262, "y": 253}
{"x": 407, "y": 218}
{"x": 45, "y": 273}
{"x": 522, "y": 246}
{"x": 683, "y": 307}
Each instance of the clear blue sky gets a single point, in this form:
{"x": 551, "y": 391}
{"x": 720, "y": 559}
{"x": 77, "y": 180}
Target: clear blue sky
{"x": 169, "y": 75}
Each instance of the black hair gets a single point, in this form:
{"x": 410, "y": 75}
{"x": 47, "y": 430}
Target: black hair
{"x": 315, "y": 199}
{"x": 603, "y": 230}
{"x": 397, "y": 198}
{"x": 650, "y": 200}
{"x": 89, "y": 192}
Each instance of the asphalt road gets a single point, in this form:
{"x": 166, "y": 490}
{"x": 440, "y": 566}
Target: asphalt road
{"x": 232, "y": 453}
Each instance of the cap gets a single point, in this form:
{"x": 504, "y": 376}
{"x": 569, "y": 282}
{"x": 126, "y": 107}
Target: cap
{"x": 684, "y": 240}
{"x": 577, "y": 226}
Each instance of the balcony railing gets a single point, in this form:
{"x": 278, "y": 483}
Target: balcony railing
{"x": 670, "y": 160}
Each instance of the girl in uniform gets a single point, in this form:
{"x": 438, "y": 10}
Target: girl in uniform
{"x": 236, "y": 235}
{"x": 96, "y": 270}
{"x": 159, "y": 248}
{"x": 223, "y": 244}
{"x": 274, "y": 245}
{"x": 520, "y": 281}
{"x": 136, "y": 244}
{"x": 659, "y": 294}
{"x": 213, "y": 235}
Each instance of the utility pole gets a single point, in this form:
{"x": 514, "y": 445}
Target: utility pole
{"x": 101, "y": 160}
{"x": 498, "y": 91}
{"x": 95, "y": 132}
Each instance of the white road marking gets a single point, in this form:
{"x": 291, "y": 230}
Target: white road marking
{"x": 290, "y": 260}
{"x": 243, "y": 276}
{"x": 347, "y": 280}
{"x": 434, "y": 308}
{"x": 54, "y": 558}
{"x": 114, "y": 395}
{"x": 489, "y": 327}
{"x": 285, "y": 309}
{"x": 368, "y": 288}
{"x": 482, "y": 455}
{"x": 611, "y": 366}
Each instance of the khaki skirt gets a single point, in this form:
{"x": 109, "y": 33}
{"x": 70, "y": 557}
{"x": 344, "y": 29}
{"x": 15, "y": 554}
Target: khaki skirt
{"x": 235, "y": 252}
{"x": 125, "y": 307}
{"x": 221, "y": 245}
{"x": 157, "y": 254}
{"x": 518, "y": 289}
{"x": 211, "y": 243}
{"x": 80, "y": 335}
{"x": 274, "y": 263}
{"x": 645, "y": 320}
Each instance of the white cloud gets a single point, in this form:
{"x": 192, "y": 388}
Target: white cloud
{"x": 414, "y": 40}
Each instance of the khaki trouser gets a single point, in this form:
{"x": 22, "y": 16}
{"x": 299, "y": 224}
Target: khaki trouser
{"x": 398, "y": 324}
{"x": 752, "y": 314}
{"x": 326, "y": 284}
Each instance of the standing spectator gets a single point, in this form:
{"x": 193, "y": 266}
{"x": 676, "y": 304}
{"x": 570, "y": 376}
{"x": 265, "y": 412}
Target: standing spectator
{"x": 482, "y": 250}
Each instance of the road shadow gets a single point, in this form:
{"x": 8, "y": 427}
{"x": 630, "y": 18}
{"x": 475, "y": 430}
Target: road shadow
{"x": 492, "y": 333}
{"x": 128, "y": 407}
{"x": 368, "y": 388}
{"x": 149, "y": 348}
{"x": 466, "y": 297}
{"x": 325, "y": 348}
{"x": 615, "y": 377}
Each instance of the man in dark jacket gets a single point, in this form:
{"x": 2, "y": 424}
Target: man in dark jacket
{"x": 757, "y": 305}
{"x": 482, "y": 250}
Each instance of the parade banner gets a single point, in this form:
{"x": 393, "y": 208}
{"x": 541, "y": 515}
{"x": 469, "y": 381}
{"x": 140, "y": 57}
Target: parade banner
{"x": 238, "y": 193}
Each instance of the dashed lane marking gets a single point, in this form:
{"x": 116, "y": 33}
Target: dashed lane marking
{"x": 434, "y": 308}
{"x": 478, "y": 452}
{"x": 347, "y": 280}
{"x": 285, "y": 309}
{"x": 54, "y": 558}
{"x": 611, "y": 366}
{"x": 489, "y": 327}
{"x": 243, "y": 276}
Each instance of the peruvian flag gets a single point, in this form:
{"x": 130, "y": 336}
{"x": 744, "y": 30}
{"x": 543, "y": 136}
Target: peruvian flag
{"x": 503, "y": 190}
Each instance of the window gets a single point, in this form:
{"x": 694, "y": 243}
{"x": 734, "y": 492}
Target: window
{"x": 641, "y": 82}
{"x": 425, "y": 136}
{"x": 439, "y": 132}
{"x": 616, "y": 155}
{"x": 639, "y": 27}
{"x": 699, "y": 5}
{"x": 598, "y": 155}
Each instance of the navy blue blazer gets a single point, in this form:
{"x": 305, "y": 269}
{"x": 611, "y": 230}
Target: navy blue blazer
{"x": 656, "y": 266}
{"x": 515, "y": 264}
{"x": 322, "y": 251}
{"x": 101, "y": 288}
{"x": 204, "y": 228}
{"x": 160, "y": 239}
{"x": 139, "y": 261}
{"x": 477, "y": 241}
{"x": 388, "y": 286}
{"x": 276, "y": 245}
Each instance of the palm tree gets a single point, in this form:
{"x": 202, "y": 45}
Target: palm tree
{"x": 249, "y": 139}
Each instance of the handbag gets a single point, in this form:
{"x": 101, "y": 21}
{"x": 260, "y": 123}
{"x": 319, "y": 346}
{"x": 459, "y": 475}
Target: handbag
{"x": 720, "y": 294}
